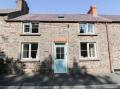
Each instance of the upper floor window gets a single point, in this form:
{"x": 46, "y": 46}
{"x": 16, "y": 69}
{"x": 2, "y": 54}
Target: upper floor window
{"x": 31, "y": 28}
{"x": 88, "y": 50}
{"x": 87, "y": 28}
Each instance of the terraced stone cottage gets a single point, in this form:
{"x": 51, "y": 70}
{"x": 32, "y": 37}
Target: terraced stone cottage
{"x": 64, "y": 40}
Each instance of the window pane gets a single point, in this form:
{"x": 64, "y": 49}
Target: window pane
{"x": 34, "y": 49}
{"x": 26, "y": 28}
{"x": 90, "y": 28}
{"x": 83, "y": 28}
{"x": 62, "y": 50}
{"x": 84, "y": 46}
{"x": 26, "y": 47}
{"x": 84, "y": 54}
{"x": 25, "y": 54}
{"x": 34, "y": 46}
{"x": 91, "y": 50}
{"x": 35, "y": 27}
{"x": 57, "y": 56}
{"x": 62, "y": 56}
{"x": 33, "y": 54}
{"x": 58, "y": 50}
{"x": 25, "y": 50}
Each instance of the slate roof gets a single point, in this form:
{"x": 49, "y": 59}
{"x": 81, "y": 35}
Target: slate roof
{"x": 61, "y": 17}
{"x": 6, "y": 11}
{"x": 67, "y": 18}
{"x": 114, "y": 18}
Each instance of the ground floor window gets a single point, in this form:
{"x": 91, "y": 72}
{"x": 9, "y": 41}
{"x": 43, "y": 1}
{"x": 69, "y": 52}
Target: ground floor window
{"x": 88, "y": 49}
{"x": 29, "y": 50}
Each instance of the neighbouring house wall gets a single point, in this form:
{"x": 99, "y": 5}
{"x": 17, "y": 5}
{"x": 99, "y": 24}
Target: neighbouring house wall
{"x": 12, "y": 31}
{"x": 114, "y": 35}
{"x": 3, "y": 34}
{"x": 101, "y": 63}
{"x": 9, "y": 39}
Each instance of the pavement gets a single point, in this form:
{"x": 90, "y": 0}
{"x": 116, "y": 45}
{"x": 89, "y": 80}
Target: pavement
{"x": 61, "y": 81}
{"x": 106, "y": 86}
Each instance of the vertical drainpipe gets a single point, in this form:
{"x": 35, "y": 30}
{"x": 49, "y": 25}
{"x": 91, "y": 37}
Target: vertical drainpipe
{"x": 68, "y": 26}
{"x": 109, "y": 51}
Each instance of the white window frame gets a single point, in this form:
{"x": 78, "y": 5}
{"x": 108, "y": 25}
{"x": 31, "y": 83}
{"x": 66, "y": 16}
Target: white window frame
{"x": 88, "y": 50}
{"x": 30, "y": 30}
{"x": 87, "y": 28}
{"x": 29, "y": 58}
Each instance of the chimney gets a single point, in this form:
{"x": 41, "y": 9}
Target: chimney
{"x": 21, "y": 9}
{"x": 21, "y": 5}
{"x": 93, "y": 10}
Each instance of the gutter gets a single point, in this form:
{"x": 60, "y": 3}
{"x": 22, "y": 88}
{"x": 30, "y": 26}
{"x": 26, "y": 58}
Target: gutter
{"x": 109, "y": 47}
{"x": 57, "y": 21}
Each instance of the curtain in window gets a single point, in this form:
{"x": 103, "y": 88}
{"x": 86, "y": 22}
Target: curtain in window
{"x": 26, "y": 51}
{"x": 90, "y": 28}
{"x": 91, "y": 50}
{"x": 83, "y": 28}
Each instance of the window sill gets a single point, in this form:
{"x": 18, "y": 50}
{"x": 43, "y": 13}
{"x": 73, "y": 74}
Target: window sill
{"x": 89, "y": 59}
{"x": 29, "y": 60}
{"x": 37, "y": 34}
{"x": 87, "y": 34}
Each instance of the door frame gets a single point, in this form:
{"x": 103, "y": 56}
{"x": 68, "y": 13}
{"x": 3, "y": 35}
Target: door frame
{"x": 54, "y": 53}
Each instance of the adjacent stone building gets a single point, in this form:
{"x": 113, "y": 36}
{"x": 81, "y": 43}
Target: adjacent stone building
{"x": 63, "y": 41}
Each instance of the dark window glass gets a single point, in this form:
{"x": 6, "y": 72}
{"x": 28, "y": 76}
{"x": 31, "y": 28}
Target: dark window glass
{"x": 58, "y": 56}
{"x": 62, "y": 56}
{"x": 35, "y": 27}
{"x": 34, "y": 48}
{"x": 62, "y": 50}
{"x": 81, "y": 30}
{"x": 84, "y": 54}
{"x": 87, "y": 50}
{"x": 26, "y": 28}
{"x": 33, "y": 54}
{"x": 58, "y": 50}
{"x": 83, "y": 46}
{"x": 84, "y": 50}
{"x": 60, "y": 53}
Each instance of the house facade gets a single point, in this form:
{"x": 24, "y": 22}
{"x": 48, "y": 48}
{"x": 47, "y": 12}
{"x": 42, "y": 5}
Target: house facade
{"x": 88, "y": 41}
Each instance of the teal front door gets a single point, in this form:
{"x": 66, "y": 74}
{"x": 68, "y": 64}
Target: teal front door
{"x": 60, "y": 58}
